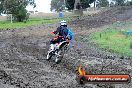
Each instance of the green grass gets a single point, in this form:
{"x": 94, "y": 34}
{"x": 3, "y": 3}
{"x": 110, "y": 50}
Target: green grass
{"x": 30, "y": 22}
{"x": 113, "y": 40}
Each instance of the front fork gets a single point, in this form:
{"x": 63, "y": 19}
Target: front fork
{"x": 55, "y": 52}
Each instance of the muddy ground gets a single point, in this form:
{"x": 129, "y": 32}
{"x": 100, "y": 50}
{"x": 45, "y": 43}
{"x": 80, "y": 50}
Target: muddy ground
{"x": 23, "y": 52}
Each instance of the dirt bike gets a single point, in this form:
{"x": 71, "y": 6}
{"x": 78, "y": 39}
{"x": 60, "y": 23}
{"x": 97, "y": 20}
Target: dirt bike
{"x": 59, "y": 50}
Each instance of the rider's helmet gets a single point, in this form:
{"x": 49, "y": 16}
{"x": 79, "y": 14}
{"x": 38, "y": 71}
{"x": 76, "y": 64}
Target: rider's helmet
{"x": 63, "y": 23}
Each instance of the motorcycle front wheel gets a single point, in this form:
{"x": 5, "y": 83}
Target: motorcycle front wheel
{"x": 58, "y": 56}
{"x": 49, "y": 55}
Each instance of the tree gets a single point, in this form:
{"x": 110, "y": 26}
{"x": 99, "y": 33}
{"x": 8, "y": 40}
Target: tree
{"x": 16, "y": 7}
{"x": 77, "y": 5}
{"x": 102, "y": 3}
{"x": 1, "y": 6}
{"x": 128, "y": 3}
{"x": 86, "y": 3}
{"x": 70, "y": 4}
{"x": 57, "y": 5}
{"x": 112, "y": 4}
{"x": 119, "y": 2}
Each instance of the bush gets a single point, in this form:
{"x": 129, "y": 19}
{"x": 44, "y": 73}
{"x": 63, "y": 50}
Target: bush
{"x": 21, "y": 14}
{"x": 131, "y": 45}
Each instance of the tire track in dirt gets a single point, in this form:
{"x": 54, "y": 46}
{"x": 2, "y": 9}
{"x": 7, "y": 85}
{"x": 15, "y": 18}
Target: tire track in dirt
{"x": 27, "y": 64}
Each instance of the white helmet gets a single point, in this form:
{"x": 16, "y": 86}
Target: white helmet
{"x": 63, "y": 23}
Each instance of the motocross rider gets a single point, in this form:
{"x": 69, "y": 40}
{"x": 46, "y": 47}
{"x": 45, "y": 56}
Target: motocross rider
{"x": 64, "y": 34}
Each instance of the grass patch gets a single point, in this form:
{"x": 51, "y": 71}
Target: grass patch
{"x": 113, "y": 40}
{"x": 30, "y": 22}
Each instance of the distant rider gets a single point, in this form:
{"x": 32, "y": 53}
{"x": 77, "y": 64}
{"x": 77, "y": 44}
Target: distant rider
{"x": 64, "y": 34}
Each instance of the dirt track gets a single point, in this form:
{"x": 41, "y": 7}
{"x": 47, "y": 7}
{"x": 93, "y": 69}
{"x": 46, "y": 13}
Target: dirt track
{"x": 23, "y": 64}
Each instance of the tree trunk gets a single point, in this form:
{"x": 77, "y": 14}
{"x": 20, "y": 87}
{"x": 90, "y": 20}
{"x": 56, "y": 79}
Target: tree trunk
{"x": 95, "y": 4}
{"x": 77, "y": 8}
{"x": 75, "y": 4}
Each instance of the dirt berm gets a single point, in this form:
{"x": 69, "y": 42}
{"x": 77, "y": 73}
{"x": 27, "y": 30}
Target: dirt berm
{"x": 23, "y": 52}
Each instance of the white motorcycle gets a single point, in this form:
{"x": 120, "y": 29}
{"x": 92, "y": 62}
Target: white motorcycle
{"x": 58, "y": 51}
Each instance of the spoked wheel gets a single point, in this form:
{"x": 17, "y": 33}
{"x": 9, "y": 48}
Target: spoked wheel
{"x": 49, "y": 55}
{"x": 58, "y": 56}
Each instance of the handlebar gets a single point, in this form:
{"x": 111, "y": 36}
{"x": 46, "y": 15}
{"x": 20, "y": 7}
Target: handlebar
{"x": 52, "y": 32}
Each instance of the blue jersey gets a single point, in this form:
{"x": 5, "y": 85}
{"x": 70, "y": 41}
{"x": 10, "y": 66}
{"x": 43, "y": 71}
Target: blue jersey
{"x": 70, "y": 34}
{"x": 64, "y": 31}
{"x": 61, "y": 31}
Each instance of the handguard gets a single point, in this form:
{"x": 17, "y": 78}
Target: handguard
{"x": 52, "y": 32}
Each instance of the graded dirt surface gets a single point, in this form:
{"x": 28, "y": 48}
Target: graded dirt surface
{"x": 23, "y": 65}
